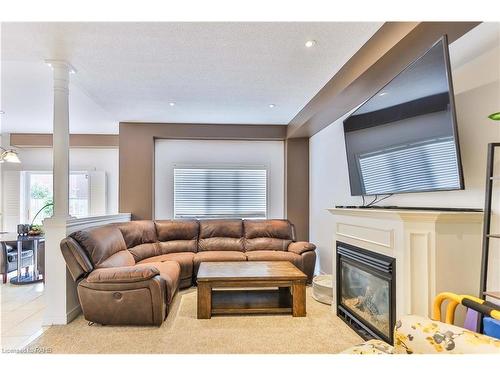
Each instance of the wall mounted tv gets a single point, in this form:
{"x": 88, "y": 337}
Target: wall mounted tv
{"x": 404, "y": 138}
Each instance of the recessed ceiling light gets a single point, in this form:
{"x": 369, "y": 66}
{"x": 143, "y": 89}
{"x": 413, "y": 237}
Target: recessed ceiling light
{"x": 171, "y": 104}
{"x": 310, "y": 43}
{"x": 272, "y": 105}
{"x": 382, "y": 93}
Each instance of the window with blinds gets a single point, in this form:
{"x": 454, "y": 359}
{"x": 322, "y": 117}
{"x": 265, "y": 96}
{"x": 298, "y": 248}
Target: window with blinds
{"x": 204, "y": 193}
{"x": 416, "y": 167}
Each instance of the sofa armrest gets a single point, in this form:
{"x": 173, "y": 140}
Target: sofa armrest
{"x": 3, "y": 258}
{"x": 301, "y": 247}
{"x": 139, "y": 272}
{"x": 134, "y": 295}
{"x": 419, "y": 335}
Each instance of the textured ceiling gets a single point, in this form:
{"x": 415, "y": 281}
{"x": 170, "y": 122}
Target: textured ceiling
{"x": 214, "y": 72}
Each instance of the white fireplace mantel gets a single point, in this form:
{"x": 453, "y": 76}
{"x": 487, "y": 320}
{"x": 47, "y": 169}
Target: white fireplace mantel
{"x": 435, "y": 251}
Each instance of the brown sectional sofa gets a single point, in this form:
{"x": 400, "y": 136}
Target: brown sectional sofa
{"x": 128, "y": 273}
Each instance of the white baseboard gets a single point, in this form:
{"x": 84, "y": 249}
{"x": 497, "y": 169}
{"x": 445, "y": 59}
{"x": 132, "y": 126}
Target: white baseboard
{"x": 73, "y": 313}
{"x": 55, "y": 320}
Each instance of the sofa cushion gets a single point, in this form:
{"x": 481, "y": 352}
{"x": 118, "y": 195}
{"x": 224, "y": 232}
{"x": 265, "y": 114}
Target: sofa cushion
{"x": 267, "y": 234}
{"x": 271, "y": 255}
{"x": 170, "y": 272}
{"x": 138, "y": 232}
{"x": 177, "y": 236}
{"x": 123, "y": 274}
{"x": 100, "y": 242}
{"x": 221, "y": 228}
{"x": 185, "y": 260}
{"x": 145, "y": 250}
{"x": 217, "y": 256}
{"x": 221, "y": 235}
{"x": 266, "y": 243}
{"x": 268, "y": 228}
{"x": 120, "y": 259}
{"x": 168, "y": 230}
{"x": 221, "y": 244}
{"x": 177, "y": 246}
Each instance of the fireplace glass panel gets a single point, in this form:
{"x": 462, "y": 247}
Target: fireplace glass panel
{"x": 367, "y": 295}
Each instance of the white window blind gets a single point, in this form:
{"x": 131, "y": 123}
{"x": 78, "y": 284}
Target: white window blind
{"x": 11, "y": 200}
{"x": 98, "y": 193}
{"x": 423, "y": 166}
{"x": 220, "y": 193}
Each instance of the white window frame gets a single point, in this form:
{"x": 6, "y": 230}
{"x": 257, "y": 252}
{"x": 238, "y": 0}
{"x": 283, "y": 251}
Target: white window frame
{"x": 25, "y": 191}
{"x": 242, "y": 166}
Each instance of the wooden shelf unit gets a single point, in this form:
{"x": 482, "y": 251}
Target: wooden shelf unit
{"x": 495, "y": 295}
{"x": 487, "y": 236}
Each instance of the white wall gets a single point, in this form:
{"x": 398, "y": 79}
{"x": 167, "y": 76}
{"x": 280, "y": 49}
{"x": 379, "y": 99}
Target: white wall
{"x": 211, "y": 152}
{"x": 81, "y": 159}
{"x": 477, "y": 94}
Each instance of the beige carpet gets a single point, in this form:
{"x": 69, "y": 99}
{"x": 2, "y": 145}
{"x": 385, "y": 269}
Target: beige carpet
{"x": 320, "y": 332}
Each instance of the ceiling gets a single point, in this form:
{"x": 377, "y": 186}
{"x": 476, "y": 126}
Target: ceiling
{"x": 427, "y": 75}
{"x": 213, "y": 72}
{"x": 480, "y": 39}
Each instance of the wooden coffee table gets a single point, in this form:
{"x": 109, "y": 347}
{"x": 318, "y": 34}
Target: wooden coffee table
{"x": 288, "y": 297}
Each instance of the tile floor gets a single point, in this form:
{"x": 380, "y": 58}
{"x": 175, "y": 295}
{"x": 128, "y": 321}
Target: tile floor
{"x": 21, "y": 310}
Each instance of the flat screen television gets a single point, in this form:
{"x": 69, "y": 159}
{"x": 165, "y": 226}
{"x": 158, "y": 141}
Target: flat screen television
{"x": 404, "y": 138}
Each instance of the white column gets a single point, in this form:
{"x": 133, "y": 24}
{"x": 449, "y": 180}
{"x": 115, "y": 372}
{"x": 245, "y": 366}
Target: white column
{"x": 61, "y": 71}
{"x": 60, "y": 291}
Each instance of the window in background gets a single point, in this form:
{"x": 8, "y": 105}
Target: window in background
{"x": 79, "y": 202}
{"x": 38, "y": 193}
{"x": 209, "y": 193}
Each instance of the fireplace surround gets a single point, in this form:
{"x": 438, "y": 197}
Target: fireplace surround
{"x": 366, "y": 291}
{"x": 435, "y": 251}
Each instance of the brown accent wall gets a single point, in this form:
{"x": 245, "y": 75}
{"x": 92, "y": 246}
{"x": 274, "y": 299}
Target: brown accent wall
{"x": 136, "y": 149}
{"x": 390, "y": 50}
{"x": 75, "y": 140}
{"x": 297, "y": 185}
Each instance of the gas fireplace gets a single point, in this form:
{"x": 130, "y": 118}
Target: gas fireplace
{"x": 366, "y": 291}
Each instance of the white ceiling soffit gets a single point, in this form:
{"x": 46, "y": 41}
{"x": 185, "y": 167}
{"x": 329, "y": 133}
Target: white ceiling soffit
{"x": 426, "y": 77}
{"x": 213, "y": 72}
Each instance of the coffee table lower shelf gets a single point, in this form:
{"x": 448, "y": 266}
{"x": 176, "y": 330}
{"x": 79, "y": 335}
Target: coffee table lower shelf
{"x": 251, "y": 302}
{"x": 283, "y": 300}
